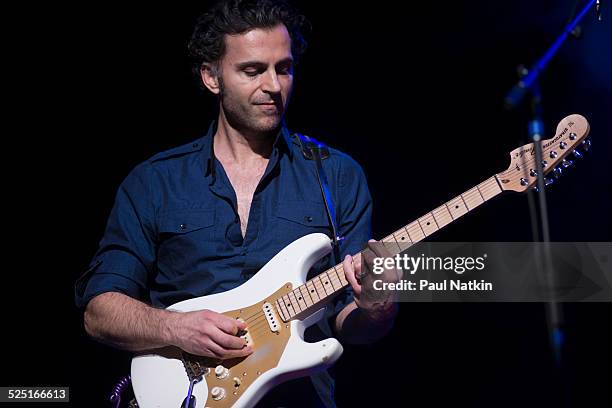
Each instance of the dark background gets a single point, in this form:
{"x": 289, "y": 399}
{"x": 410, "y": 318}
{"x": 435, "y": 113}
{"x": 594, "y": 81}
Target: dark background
{"x": 413, "y": 92}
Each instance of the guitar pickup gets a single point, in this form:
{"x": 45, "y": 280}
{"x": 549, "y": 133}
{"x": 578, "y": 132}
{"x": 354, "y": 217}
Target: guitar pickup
{"x": 271, "y": 317}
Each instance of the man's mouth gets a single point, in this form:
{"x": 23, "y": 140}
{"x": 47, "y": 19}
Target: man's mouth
{"x": 268, "y": 107}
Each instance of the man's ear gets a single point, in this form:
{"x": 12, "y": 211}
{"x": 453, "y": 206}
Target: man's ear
{"x": 210, "y": 78}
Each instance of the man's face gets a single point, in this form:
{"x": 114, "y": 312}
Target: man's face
{"x": 256, "y": 78}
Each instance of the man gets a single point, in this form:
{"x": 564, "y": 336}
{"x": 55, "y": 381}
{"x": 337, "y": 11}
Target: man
{"x": 204, "y": 217}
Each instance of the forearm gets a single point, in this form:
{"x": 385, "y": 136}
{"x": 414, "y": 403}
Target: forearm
{"x": 126, "y": 323}
{"x": 358, "y": 327}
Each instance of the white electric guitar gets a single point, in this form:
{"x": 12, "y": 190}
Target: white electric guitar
{"x": 278, "y": 303}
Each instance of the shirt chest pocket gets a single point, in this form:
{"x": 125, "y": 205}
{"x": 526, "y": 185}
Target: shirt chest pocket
{"x": 185, "y": 236}
{"x": 294, "y": 219}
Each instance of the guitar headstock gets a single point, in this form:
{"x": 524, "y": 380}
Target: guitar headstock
{"x": 523, "y": 172}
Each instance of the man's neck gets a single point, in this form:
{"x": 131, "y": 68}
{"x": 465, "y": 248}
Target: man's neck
{"x": 240, "y": 147}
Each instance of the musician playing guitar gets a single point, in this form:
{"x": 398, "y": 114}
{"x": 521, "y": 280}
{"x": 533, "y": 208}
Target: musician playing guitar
{"x": 203, "y": 218}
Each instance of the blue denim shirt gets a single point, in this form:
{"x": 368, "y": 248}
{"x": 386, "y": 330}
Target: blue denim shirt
{"x": 174, "y": 231}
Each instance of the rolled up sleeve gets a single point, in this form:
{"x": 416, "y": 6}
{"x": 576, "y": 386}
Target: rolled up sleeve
{"x": 126, "y": 254}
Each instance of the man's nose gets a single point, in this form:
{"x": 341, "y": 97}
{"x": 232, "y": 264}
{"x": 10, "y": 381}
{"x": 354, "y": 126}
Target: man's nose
{"x": 271, "y": 83}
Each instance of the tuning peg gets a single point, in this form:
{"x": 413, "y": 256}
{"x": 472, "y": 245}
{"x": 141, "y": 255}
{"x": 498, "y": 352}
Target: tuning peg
{"x": 586, "y": 144}
{"x": 557, "y": 172}
{"x": 577, "y": 154}
{"x": 548, "y": 181}
{"x": 567, "y": 163}
{"x": 536, "y": 189}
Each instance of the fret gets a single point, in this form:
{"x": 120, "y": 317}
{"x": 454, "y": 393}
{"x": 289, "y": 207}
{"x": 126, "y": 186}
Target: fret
{"x": 297, "y": 292}
{"x": 457, "y": 207}
{"x": 325, "y": 286}
{"x": 289, "y": 305}
{"x": 306, "y": 295}
{"x": 320, "y": 287}
{"x": 488, "y": 193}
{"x": 403, "y": 239}
{"x": 390, "y": 243}
{"x": 415, "y": 231}
{"x": 399, "y": 248}
{"x": 464, "y": 203}
{"x": 336, "y": 277}
{"x": 442, "y": 217}
{"x": 427, "y": 224}
{"x": 282, "y": 311}
{"x": 331, "y": 281}
{"x": 481, "y": 196}
{"x": 496, "y": 180}
{"x": 472, "y": 196}
{"x": 298, "y": 299}
{"x": 421, "y": 227}
{"x": 312, "y": 290}
{"x": 449, "y": 211}
{"x": 433, "y": 217}
{"x": 489, "y": 188}
{"x": 341, "y": 276}
{"x": 295, "y": 302}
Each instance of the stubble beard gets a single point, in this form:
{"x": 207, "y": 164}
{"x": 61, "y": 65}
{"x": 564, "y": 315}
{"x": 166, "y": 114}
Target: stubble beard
{"x": 245, "y": 117}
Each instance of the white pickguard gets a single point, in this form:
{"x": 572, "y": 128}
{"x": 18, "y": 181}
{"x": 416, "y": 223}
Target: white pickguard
{"x": 161, "y": 382}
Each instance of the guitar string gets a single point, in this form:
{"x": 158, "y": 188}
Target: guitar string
{"x": 334, "y": 280}
{"x": 259, "y": 316}
{"x": 484, "y": 187}
{"x": 318, "y": 287}
{"x": 491, "y": 185}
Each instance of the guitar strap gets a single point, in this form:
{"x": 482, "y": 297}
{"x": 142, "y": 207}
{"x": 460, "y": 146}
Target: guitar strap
{"x": 312, "y": 149}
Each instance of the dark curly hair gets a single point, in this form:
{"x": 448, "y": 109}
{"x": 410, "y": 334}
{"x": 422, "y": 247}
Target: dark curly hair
{"x": 207, "y": 44}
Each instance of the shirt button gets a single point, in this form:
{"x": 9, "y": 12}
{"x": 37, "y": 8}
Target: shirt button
{"x": 195, "y": 145}
{"x": 183, "y": 226}
{"x": 308, "y": 219}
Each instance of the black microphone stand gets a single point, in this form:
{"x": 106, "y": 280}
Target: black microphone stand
{"x": 528, "y": 84}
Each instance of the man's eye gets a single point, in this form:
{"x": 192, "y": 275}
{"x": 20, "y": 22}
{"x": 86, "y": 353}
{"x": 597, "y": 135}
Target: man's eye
{"x": 251, "y": 72}
{"x": 286, "y": 70}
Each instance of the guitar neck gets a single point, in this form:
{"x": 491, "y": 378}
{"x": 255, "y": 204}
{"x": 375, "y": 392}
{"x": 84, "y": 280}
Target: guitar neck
{"x": 302, "y": 300}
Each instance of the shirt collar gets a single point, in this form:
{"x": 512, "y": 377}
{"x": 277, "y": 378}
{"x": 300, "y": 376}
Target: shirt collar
{"x": 282, "y": 144}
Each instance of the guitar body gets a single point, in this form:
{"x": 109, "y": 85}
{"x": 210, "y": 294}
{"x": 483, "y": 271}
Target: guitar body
{"x": 160, "y": 377}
